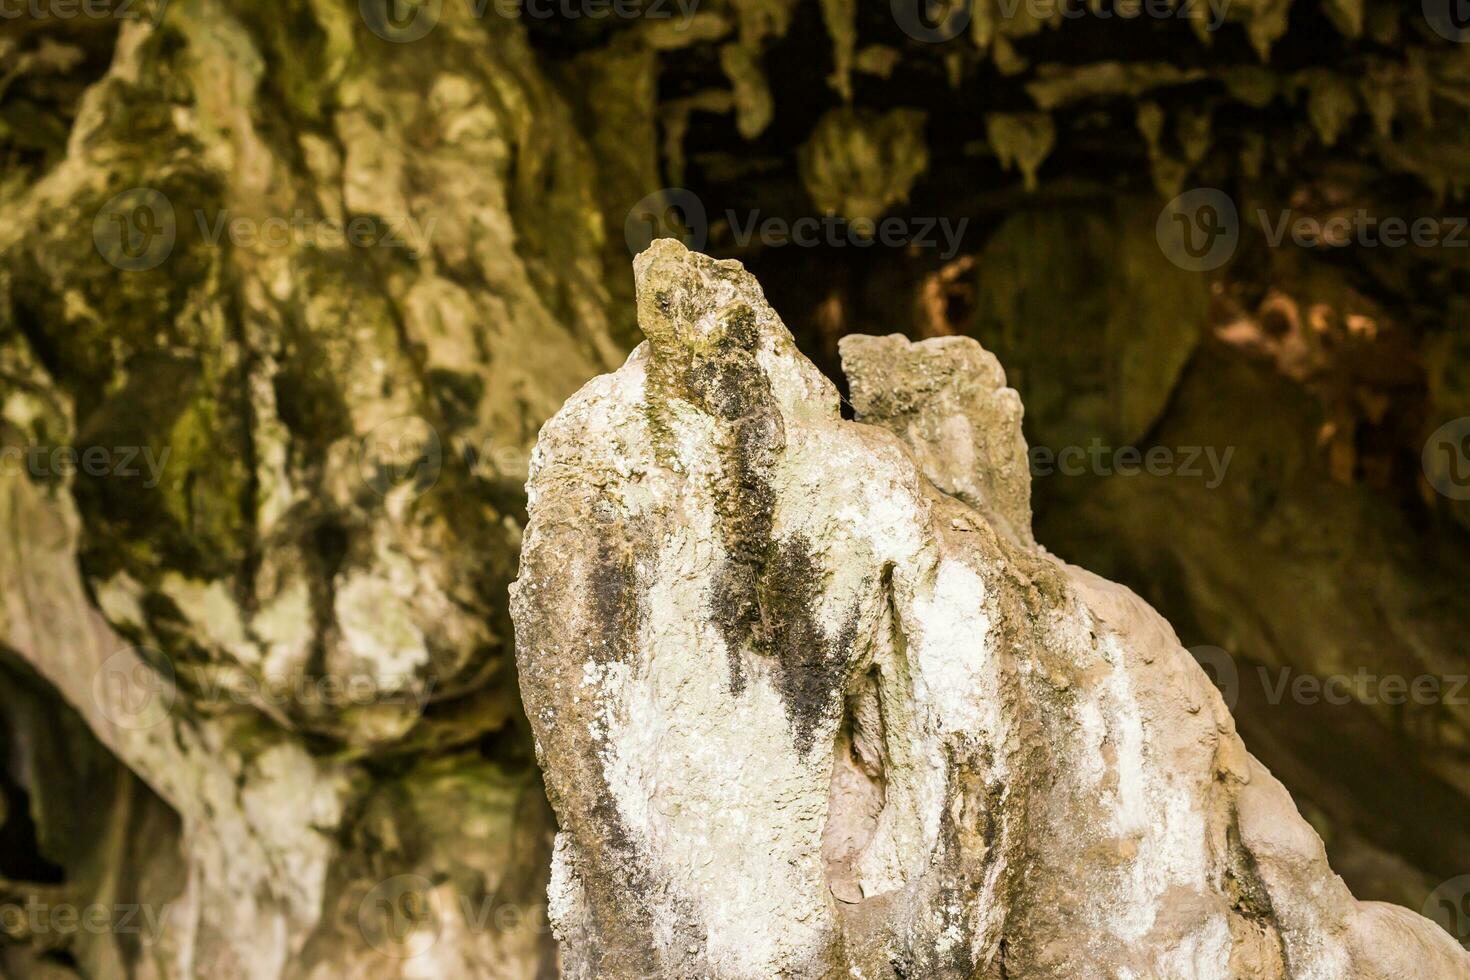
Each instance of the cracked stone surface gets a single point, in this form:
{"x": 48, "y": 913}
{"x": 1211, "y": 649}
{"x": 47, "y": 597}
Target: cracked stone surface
{"x": 810, "y": 701}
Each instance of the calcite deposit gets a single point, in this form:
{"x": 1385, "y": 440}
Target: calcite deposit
{"x": 810, "y": 701}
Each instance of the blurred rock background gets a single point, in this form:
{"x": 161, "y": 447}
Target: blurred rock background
{"x": 311, "y": 274}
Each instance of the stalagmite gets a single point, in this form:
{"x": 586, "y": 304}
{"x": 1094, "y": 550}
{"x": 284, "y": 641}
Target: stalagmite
{"x": 811, "y": 702}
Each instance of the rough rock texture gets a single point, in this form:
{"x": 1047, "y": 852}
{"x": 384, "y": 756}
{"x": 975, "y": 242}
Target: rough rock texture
{"x": 1297, "y": 574}
{"x": 250, "y": 854}
{"x": 310, "y": 585}
{"x": 947, "y": 398}
{"x": 1320, "y": 551}
{"x": 295, "y": 378}
{"x": 803, "y": 713}
{"x": 504, "y": 153}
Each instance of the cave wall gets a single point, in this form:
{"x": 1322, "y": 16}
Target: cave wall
{"x": 306, "y": 551}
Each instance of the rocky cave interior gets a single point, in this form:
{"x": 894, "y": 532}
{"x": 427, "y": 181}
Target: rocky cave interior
{"x": 1324, "y": 549}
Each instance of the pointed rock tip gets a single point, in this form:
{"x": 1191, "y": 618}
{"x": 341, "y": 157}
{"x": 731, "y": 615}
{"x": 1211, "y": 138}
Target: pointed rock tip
{"x": 661, "y": 256}
{"x": 688, "y": 299}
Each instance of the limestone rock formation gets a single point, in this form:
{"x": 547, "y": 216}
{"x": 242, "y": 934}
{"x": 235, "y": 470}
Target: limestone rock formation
{"x": 947, "y": 399}
{"x": 327, "y": 431}
{"x": 240, "y": 850}
{"x": 316, "y": 287}
{"x": 802, "y": 712}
